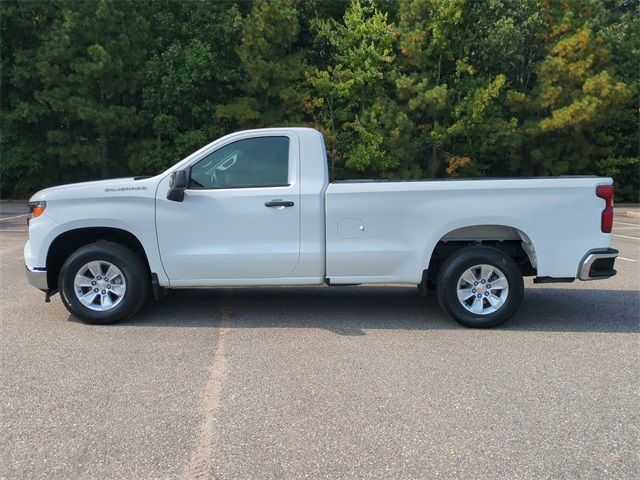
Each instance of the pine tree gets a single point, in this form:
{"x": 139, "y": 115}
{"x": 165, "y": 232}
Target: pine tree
{"x": 350, "y": 98}
{"x": 91, "y": 65}
{"x": 193, "y": 70}
{"x": 411, "y": 89}
{"x": 564, "y": 119}
{"x": 273, "y": 64}
{"x": 25, "y": 165}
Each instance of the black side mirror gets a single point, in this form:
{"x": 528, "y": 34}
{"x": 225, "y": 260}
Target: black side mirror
{"x": 177, "y": 185}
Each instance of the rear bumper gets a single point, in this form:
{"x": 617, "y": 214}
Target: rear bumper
{"x": 598, "y": 264}
{"x": 38, "y": 278}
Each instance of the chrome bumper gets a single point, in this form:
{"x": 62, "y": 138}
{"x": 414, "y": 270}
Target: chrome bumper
{"x": 38, "y": 278}
{"x": 598, "y": 264}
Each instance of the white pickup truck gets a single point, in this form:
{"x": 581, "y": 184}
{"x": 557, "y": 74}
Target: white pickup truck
{"x": 257, "y": 208}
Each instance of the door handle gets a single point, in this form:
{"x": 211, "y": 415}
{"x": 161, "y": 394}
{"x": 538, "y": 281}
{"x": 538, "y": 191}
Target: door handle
{"x": 278, "y": 203}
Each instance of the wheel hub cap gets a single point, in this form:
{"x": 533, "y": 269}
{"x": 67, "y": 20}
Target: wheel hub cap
{"x": 482, "y": 289}
{"x": 99, "y": 285}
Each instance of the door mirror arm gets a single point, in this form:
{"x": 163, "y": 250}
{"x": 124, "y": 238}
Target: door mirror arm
{"x": 177, "y": 185}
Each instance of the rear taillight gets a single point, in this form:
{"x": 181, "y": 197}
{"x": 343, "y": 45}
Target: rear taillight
{"x": 606, "y": 192}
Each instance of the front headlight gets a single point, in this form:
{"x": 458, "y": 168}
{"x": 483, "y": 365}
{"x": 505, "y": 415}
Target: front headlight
{"x": 36, "y": 209}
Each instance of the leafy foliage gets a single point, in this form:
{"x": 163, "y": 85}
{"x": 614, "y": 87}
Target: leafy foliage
{"x": 351, "y": 96}
{"x": 192, "y": 71}
{"x": 410, "y": 89}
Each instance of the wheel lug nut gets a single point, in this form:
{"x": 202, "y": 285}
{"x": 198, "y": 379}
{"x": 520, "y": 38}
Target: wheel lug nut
{"x": 486, "y": 293}
{"x": 106, "y": 279}
{"x": 483, "y": 281}
{"x": 488, "y": 285}
{"x": 99, "y": 278}
{"x": 479, "y": 295}
{"x": 473, "y": 290}
{"x": 475, "y": 283}
{"x": 108, "y": 286}
{"x": 104, "y": 291}
{"x": 93, "y": 283}
{"x": 95, "y": 290}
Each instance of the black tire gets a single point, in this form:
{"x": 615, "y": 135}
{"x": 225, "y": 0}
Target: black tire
{"x": 460, "y": 261}
{"x": 133, "y": 269}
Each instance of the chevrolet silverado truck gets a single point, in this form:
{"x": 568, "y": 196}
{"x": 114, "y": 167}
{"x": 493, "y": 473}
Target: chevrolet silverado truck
{"x": 256, "y": 208}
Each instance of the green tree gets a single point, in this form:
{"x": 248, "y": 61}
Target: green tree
{"x": 25, "y": 165}
{"x": 458, "y": 59}
{"x": 563, "y": 121}
{"x": 411, "y": 89}
{"x": 350, "y": 98}
{"x": 620, "y": 28}
{"x": 273, "y": 63}
{"x": 193, "y": 71}
{"x": 91, "y": 65}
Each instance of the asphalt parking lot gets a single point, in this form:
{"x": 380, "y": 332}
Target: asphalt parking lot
{"x": 350, "y": 382}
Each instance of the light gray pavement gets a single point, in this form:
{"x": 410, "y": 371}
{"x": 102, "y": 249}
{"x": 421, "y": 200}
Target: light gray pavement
{"x": 349, "y": 382}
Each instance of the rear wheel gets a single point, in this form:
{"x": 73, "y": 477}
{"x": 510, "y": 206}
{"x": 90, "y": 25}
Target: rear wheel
{"x": 480, "y": 287}
{"x": 103, "y": 282}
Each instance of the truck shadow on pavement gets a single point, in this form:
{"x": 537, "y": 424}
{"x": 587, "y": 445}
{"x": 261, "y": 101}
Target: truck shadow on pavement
{"x": 353, "y": 310}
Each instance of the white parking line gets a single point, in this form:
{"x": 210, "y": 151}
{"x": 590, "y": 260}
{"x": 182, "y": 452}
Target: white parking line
{"x": 627, "y": 259}
{"x": 625, "y": 236}
{"x": 17, "y": 216}
{"x": 627, "y": 228}
{"x": 623, "y": 223}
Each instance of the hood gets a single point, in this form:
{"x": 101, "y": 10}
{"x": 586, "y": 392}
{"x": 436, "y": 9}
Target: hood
{"x": 100, "y": 187}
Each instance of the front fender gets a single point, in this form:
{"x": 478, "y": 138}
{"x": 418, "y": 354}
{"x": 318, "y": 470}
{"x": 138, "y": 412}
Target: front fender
{"x": 136, "y": 217}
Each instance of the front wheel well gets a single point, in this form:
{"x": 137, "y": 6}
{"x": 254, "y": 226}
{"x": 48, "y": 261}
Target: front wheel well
{"x": 68, "y": 242}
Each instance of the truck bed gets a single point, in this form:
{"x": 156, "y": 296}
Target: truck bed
{"x": 386, "y": 231}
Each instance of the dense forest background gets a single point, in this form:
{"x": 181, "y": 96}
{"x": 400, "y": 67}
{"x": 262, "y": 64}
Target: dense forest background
{"x": 401, "y": 89}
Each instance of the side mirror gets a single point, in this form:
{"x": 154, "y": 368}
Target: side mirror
{"x": 177, "y": 185}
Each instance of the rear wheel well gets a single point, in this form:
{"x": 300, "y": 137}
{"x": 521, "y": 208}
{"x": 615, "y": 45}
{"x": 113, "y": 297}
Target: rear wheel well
{"x": 68, "y": 242}
{"x": 445, "y": 248}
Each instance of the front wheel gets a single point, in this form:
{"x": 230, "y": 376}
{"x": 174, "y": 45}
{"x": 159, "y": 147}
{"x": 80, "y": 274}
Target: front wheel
{"x": 103, "y": 282}
{"x": 480, "y": 287}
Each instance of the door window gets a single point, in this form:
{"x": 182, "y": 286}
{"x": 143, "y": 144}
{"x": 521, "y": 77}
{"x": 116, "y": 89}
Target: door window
{"x": 252, "y": 162}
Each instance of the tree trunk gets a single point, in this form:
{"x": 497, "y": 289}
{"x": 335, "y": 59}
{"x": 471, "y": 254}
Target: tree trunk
{"x": 433, "y": 164}
{"x": 527, "y": 162}
{"x": 104, "y": 155}
{"x": 104, "y": 138}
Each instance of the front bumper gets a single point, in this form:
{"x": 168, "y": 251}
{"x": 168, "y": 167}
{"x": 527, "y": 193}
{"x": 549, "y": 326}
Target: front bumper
{"x": 38, "y": 278}
{"x": 598, "y": 264}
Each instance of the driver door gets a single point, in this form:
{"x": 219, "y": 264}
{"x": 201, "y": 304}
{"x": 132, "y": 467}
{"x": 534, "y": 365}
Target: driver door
{"x": 240, "y": 217}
